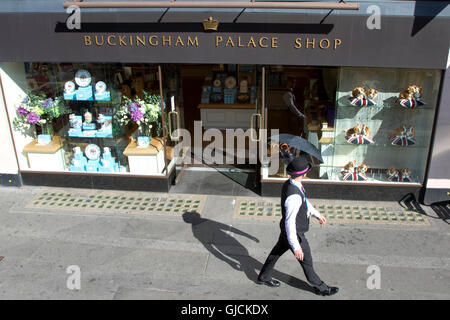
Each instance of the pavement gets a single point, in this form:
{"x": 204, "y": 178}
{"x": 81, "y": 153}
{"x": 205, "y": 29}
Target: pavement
{"x": 214, "y": 256}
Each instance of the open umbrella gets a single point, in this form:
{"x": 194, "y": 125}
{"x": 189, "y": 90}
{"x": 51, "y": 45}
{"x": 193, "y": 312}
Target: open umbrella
{"x": 289, "y": 141}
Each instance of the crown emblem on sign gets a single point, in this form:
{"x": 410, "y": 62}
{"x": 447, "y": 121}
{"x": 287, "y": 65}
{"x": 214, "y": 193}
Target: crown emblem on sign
{"x": 210, "y": 24}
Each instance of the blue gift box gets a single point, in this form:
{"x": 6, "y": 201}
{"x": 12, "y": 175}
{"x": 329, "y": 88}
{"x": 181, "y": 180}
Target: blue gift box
{"x": 108, "y": 164}
{"x": 143, "y": 141}
{"x": 44, "y": 139}
{"x": 80, "y": 157}
{"x": 75, "y": 132}
{"x": 81, "y": 167}
{"x": 70, "y": 96}
{"x": 105, "y": 132}
{"x": 84, "y": 94}
{"x": 229, "y": 96}
{"x": 89, "y": 126}
{"x": 104, "y": 96}
{"x": 76, "y": 168}
{"x": 92, "y": 165}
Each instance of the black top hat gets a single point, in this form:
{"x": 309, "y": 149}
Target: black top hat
{"x": 299, "y": 166}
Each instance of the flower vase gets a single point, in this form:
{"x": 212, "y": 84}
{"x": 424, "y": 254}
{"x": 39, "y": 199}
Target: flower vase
{"x": 46, "y": 136}
{"x": 143, "y": 139}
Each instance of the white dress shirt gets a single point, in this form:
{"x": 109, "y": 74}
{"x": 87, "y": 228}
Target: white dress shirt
{"x": 292, "y": 206}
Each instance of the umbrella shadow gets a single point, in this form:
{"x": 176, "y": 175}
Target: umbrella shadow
{"x": 217, "y": 239}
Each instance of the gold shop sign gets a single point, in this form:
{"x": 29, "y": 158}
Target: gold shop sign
{"x": 219, "y": 41}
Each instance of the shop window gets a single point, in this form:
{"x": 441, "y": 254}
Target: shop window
{"x": 89, "y": 118}
{"x": 383, "y": 126}
{"x": 372, "y": 125}
{"x": 313, "y": 91}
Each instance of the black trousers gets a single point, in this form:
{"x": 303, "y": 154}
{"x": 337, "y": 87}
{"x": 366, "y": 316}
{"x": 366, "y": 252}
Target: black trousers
{"x": 307, "y": 264}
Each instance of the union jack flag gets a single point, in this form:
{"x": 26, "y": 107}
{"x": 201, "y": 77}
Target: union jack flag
{"x": 362, "y": 102}
{"x": 353, "y": 176}
{"x": 403, "y": 141}
{"x": 399, "y": 178}
{"x": 404, "y": 179}
{"x": 410, "y": 103}
{"x": 360, "y": 139}
{"x": 394, "y": 178}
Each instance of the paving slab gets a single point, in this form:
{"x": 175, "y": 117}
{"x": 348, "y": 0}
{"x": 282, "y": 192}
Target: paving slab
{"x": 212, "y": 255}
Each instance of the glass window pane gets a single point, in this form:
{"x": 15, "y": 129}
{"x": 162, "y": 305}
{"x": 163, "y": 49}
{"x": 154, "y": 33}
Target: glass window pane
{"x": 90, "y": 117}
{"x": 394, "y": 125}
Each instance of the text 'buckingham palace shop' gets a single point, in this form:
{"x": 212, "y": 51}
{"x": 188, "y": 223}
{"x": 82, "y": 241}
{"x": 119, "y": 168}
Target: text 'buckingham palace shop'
{"x": 132, "y": 98}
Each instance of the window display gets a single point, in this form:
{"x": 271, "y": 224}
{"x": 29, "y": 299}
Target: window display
{"x": 384, "y": 120}
{"x": 372, "y": 125}
{"x": 374, "y": 128}
{"x": 88, "y": 114}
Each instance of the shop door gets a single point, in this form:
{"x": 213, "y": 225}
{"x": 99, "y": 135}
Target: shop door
{"x": 225, "y": 100}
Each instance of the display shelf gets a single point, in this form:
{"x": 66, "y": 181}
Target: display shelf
{"x": 148, "y": 160}
{"x": 378, "y": 176}
{"x": 380, "y": 145}
{"x": 388, "y": 107}
{"x": 226, "y": 106}
{"x": 40, "y": 157}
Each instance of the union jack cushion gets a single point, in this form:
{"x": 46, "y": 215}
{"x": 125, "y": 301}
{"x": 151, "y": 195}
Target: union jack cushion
{"x": 402, "y": 141}
{"x": 393, "y": 178}
{"x": 410, "y": 103}
{"x": 353, "y": 176}
{"x": 360, "y": 139}
{"x": 362, "y": 102}
{"x": 404, "y": 179}
{"x": 399, "y": 178}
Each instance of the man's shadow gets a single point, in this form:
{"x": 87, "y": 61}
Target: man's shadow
{"x": 215, "y": 236}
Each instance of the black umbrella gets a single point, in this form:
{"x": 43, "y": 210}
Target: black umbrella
{"x": 289, "y": 141}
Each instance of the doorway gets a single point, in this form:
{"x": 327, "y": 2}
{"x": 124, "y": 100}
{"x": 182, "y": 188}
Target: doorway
{"x": 222, "y": 104}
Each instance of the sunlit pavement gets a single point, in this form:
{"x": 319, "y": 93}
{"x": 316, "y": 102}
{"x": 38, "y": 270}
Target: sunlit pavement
{"x": 215, "y": 254}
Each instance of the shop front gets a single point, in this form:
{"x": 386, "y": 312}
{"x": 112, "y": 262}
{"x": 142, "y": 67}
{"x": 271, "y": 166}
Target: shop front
{"x": 132, "y": 98}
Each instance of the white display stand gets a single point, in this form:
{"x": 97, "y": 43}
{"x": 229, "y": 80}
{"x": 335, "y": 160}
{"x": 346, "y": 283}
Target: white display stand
{"x": 45, "y": 157}
{"x": 149, "y": 160}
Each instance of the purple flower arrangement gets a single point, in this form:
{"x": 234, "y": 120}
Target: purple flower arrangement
{"x": 47, "y": 103}
{"x": 135, "y": 111}
{"x": 37, "y": 109}
{"x": 141, "y": 112}
{"x": 33, "y": 118}
{"x": 22, "y": 111}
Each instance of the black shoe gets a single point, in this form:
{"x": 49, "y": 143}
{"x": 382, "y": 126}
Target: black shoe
{"x": 327, "y": 292}
{"x": 270, "y": 283}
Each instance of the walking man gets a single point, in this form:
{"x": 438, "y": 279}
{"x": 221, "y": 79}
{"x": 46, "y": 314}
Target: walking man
{"x": 296, "y": 210}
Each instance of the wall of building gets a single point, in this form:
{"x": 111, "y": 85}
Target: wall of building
{"x": 8, "y": 163}
{"x": 13, "y": 80}
{"x": 438, "y": 183}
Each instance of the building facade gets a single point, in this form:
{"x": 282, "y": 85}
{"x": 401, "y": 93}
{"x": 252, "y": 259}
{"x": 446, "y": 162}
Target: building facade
{"x": 370, "y": 87}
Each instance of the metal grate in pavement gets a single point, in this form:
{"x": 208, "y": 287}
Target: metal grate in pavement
{"x": 270, "y": 209}
{"x": 118, "y": 202}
